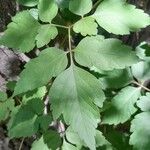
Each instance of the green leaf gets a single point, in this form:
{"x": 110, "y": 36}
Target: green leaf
{"x": 23, "y": 120}
{"x": 21, "y": 33}
{"x": 86, "y": 26}
{"x": 143, "y": 73}
{"x": 52, "y": 139}
{"x": 100, "y": 139}
{"x": 140, "y": 126}
{"x": 3, "y": 96}
{"x": 11, "y": 85}
{"x": 105, "y": 54}
{"x": 144, "y": 102}
{"x": 47, "y": 10}
{"x": 73, "y": 94}
{"x": 116, "y": 78}
{"x": 40, "y": 70}
{"x": 39, "y": 145}
{"x": 34, "y": 13}
{"x": 37, "y": 93}
{"x": 68, "y": 146}
{"x": 122, "y": 106}
{"x": 29, "y": 3}
{"x": 5, "y": 108}
{"x": 80, "y": 7}
{"x": 118, "y": 17}
{"x": 73, "y": 137}
{"x": 46, "y": 33}
{"x": 44, "y": 121}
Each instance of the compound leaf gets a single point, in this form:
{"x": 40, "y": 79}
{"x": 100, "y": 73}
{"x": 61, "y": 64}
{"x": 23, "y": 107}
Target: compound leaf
{"x": 21, "y": 33}
{"x": 107, "y": 54}
{"x": 86, "y": 26}
{"x": 40, "y": 70}
{"x": 118, "y": 17}
{"x": 73, "y": 94}
{"x": 122, "y": 106}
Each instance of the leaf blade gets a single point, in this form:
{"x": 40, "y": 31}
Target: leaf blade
{"x": 21, "y": 33}
{"x": 104, "y": 54}
{"x": 78, "y": 95}
{"x": 122, "y": 106}
{"x": 118, "y": 17}
{"x": 51, "y": 62}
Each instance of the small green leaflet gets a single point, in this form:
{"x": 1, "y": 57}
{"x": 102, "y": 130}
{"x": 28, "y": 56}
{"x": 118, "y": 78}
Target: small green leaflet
{"x": 3, "y": 96}
{"x": 107, "y": 54}
{"x": 5, "y": 108}
{"x": 140, "y": 126}
{"x": 21, "y": 33}
{"x": 68, "y": 146}
{"x": 73, "y": 138}
{"x": 143, "y": 73}
{"x": 47, "y": 10}
{"x": 118, "y": 17}
{"x": 44, "y": 122}
{"x": 122, "y": 106}
{"x": 80, "y": 7}
{"x": 144, "y": 102}
{"x": 52, "y": 139}
{"x": 34, "y": 13}
{"x": 73, "y": 94}
{"x": 45, "y": 34}
{"x": 39, "y": 145}
{"x": 37, "y": 93}
{"x": 29, "y": 3}
{"x": 23, "y": 120}
{"x": 100, "y": 139}
{"x": 40, "y": 70}
{"x": 86, "y": 26}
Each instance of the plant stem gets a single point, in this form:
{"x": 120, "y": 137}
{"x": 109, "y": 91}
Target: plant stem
{"x": 142, "y": 86}
{"x": 20, "y": 147}
{"x": 60, "y": 26}
{"x": 96, "y": 4}
{"x": 69, "y": 42}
